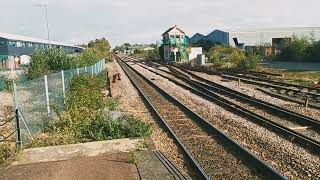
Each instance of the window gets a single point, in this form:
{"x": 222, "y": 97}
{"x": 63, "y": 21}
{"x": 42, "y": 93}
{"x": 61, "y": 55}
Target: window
{"x": 3, "y": 43}
{"x": 23, "y": 44}
{"x": 29, "y": 44}
{"x": 171, "y": 36}
{"x": 12, "y": 43}
{"x": 18, "y": 44}
{"x": 178, "y": 36}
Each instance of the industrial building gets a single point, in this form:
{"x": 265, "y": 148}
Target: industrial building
{"x": 269, "y": 37}
{"x": 15, "y": 48}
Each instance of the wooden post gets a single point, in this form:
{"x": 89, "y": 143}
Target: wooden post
{"x": 110, "y": 86}
{"x": 306, "y": 102}
{"x": 239, "y": 81}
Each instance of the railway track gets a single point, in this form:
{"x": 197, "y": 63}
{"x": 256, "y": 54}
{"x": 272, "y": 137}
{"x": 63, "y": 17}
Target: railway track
{"x": 292, "y": 92}
{"x": 293, "y": 126}
{"x": 211, "y": 153}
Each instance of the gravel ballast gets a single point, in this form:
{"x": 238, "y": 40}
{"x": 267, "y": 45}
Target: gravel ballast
{"x": 250, "y": 90}
{"x": 286, "y": 157}
{"x": 131, "y": 103}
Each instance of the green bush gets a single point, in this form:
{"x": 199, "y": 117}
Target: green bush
{"x": 54, "y": 59}
{"x": 313, "y": 52}
{"x": 222, "y": 53}
{"x": 9, "y": 85}
{"x": 38, "y": 64}
{"x": 249, "y": 63}
{"x": 215, "y": 59}
{"x": 87, "y": 81}
{"x": 8, "y": 152}
{"x": 86, "y": 118}
{"x": 295, "y": 50}
{"x": 2, "y": 83}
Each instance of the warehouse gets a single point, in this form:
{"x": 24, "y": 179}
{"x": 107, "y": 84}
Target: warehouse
{"x": 246, "y": 38}
{"x": 14, "y": 48}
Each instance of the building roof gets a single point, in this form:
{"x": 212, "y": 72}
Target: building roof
{"x": 174, "y": 27}
{"x": 278, "y": 29}
{"x": 15, "y": 37}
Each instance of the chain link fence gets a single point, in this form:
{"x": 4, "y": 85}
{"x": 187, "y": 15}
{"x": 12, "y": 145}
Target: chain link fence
{"x": 38, "y": 99}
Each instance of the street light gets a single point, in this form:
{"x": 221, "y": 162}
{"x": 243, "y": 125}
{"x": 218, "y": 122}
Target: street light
{"x": 45, "y": 5}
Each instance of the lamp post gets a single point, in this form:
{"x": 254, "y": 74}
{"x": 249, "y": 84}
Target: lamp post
{"x": 45, "y": 5}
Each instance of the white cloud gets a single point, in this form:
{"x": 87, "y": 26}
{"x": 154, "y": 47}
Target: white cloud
{"x": 137, "y": 21}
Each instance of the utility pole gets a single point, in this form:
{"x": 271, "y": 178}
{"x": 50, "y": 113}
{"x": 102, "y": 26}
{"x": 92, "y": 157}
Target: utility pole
{"x": 45, "y": 5}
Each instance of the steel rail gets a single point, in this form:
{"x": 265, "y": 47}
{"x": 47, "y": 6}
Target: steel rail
{"x": 246, "y": 156}
{"x": 294, "y": 136}
{"x": 277, "y": 109}
{"x": 270, "y": 81}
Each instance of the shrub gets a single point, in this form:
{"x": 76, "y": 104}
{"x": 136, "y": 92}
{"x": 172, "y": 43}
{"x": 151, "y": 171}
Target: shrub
{"x": 87, "y": 81}
{"x": 249, "y": 63}
{"x": 57, "y": 59}
{"x": 2, "y": 82}
{"x": 8, "y": 152}
{"x": 215, "y": 59}
{"x": 313, "y": 52}
{"x": 221, "y": 54}
{"x": 86, "y": 118}
{"x": 9, "y": 85}
{"x": 38, "y": 64}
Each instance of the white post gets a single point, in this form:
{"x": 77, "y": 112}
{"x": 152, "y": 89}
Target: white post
{"x": 91, "y": 70}
{"x": 47, "y": 93}
{"x": 63, "y": 86}
{"x": 78, "y": 71}
{"x": 85, "y": 69}
{"x": 95, "y": 68}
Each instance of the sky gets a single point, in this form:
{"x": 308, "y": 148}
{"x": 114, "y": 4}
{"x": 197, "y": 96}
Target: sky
{"x": 143, "y": 21}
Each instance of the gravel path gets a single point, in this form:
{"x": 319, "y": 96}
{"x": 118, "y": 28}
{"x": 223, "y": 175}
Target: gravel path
{"x": 289, "y": 159}
{"x": 131, "y": 103}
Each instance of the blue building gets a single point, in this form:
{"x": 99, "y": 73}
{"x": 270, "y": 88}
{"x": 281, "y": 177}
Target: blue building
{"x": 14, "y": 47}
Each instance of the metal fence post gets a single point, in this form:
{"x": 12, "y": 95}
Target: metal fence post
{"x": 18, "y": 133}
{"x": 14, "y": 95}
{"x": 63, "y": 86}
{"x": 98, "y": 67}
{"x": 47, "y": 93}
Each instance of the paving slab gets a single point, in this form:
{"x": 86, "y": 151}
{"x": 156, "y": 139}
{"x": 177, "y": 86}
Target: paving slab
{"x": 64, "y": 152}
{"x": 113, "y": 166}
{"x": 95, "y": 160}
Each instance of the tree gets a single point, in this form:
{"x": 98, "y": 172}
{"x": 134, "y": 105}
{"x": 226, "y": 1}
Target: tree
{"x": 313, "y": 52}
{"x": 127, "y": 44}
{"x": 101, "y": 47}
{"x": 296, "y": 50}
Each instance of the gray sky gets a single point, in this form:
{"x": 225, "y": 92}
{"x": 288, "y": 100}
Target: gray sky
{"x": 143, "y": 21}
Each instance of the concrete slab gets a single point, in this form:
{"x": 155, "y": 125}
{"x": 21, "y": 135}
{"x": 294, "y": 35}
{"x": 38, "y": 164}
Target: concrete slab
{"x": 58, "y": 153}
{"x": 115, "y": 166}
{"x": 96, "y": 160}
